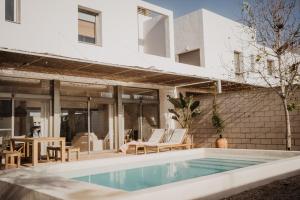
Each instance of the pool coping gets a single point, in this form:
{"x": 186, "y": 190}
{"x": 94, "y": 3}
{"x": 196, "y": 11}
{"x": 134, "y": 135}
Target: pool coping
{"x": 210, "y": 187}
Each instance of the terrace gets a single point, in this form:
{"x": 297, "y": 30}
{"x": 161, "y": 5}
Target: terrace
{"x": 119, "y": 100}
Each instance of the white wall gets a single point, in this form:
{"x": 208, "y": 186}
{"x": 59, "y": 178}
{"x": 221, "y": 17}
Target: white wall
{"x": 165, "y": 116}
{"x": 217, "y": 37}
{"x": 188, "y": 31}
{"x": 155, "y": 36}
{"x": 50, "y": 27}
{"x": 222, "y": 37}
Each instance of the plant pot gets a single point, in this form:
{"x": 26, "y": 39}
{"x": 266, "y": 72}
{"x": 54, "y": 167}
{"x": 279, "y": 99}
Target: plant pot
{"x": 222, "y": 143}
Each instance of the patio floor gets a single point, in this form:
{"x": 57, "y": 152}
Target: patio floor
{"x": 286, "y": 189}
{"x": 83, "y": 156}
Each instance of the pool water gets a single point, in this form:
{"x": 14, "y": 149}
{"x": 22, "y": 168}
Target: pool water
{"x": 150, "y": 176}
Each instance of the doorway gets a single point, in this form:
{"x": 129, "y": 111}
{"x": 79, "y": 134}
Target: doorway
{"x": 140, "y": 118}
{"x": 81, "y": 119}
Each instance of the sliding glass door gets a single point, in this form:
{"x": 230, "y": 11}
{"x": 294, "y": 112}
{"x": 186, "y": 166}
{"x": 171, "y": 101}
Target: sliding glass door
{"x": 29, "y": 113}
{"x": 150, "y": 119}
{"x": 141, "y": 113}
{"x": 84, "y": 121}
{"x": 74, "y": 119}
{"x": 99, "y": 116}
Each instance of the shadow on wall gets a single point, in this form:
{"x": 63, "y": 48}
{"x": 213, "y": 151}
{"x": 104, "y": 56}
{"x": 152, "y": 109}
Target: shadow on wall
{"x": 254, "y": 120}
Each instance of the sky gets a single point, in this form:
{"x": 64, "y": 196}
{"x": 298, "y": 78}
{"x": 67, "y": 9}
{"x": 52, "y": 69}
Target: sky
{"x": 227, "y": 8}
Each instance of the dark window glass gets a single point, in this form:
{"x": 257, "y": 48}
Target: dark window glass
{"x": 83, "y": 38}
{"x": 9, "y": 10}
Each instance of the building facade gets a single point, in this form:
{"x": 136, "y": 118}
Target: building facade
{"x": 99, "y": 69}
{"x": 76, "y": 68}
{"x": 254, "y": 117}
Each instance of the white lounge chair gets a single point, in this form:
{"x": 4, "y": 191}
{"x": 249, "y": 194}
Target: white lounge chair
{"x": 155, "y": 138}
{"x": 176, "y": 141}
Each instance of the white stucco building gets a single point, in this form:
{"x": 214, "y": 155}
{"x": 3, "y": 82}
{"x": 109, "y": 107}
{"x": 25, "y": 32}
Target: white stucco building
{"x": 105, "y": 67}
{"x": 223, "y": 48}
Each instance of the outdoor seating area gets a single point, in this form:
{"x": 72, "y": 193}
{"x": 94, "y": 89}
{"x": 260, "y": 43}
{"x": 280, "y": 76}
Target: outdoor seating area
{"x": 31, "y": 151}
{"x": 28, "y": 150}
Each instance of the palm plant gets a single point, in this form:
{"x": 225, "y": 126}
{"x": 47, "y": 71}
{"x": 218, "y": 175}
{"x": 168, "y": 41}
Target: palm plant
{"x": 185, "y": 109}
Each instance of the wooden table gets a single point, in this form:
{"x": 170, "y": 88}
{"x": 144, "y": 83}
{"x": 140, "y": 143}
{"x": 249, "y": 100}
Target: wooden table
{"x": 35, "y": 141}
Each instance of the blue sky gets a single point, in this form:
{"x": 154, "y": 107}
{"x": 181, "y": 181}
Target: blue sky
{"x": 227, "y": 8}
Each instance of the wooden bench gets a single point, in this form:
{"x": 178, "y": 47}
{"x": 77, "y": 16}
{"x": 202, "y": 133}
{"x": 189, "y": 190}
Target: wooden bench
{"x": 12, "y": 158}
{"x": 70, "y": 149}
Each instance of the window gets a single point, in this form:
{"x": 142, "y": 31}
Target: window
{"x": 191, "y": 57}
{"x": 270, "y": 67}
{"x": 12, "y": 10}
{"x": 237, "y": 63}
{"x": 88, "y": 27}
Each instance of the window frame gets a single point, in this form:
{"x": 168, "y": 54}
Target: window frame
{"x": 238, "y": 69}
{"x": 98, "y": 25}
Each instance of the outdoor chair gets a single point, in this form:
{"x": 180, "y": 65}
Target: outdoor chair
{"x": 155, "y": 138}
{"x": 12, "y": 158}
{"x": 71, "y": 149}
{"x": 176, "y": 140}
{"x": 20, "y": 146}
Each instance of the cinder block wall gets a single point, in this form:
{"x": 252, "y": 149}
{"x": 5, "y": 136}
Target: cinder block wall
{"x": 254, "y": 120}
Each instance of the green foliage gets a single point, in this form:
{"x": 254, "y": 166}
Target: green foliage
{"x": 291, "y": 107}
{"x": 185, "y": 109}
{"x": 216, "y": 119}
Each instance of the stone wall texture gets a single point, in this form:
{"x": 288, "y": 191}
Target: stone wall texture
{"x": 254, "y": 120}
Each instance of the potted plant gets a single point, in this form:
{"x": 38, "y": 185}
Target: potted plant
{"x": 184, "y": 111}
{"x": 219, "y": 125}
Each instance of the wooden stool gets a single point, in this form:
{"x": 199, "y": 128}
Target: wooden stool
{"x": 52, "y": 152}
{"x": 12, "y": 158}
{"x": 69, "y": 150}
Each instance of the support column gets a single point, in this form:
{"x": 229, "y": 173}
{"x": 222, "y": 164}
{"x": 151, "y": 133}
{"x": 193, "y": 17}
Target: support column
{"x": 12, "y": 115}
{"x": 219, "y": 87}
{"x": 119, "y": 117}
{"x": 89, "y": 124}
{"x": 56, "y": 108}
{"x": 140, "y": 122}
{"x": 165, "y": 117}
{"x": 111, "y": 126}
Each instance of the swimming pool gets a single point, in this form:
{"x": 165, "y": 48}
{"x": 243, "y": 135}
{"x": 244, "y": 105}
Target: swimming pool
{"x": 156, "y": 175}
{"x": 177, "y": 175}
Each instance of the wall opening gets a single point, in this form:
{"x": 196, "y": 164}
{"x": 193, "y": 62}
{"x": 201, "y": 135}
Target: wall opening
{"x": 153, "y": 33}
{"x": 190, "y": 58}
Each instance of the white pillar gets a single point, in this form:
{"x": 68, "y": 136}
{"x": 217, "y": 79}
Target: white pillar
{"x": 119, "y": 117}
{"x": 165, "y": 117}
{"x": 111, "y": 126}
{"x": 89, "y": 124}
{"x": 56, "y": 108}
{"x": 219, "y": 87}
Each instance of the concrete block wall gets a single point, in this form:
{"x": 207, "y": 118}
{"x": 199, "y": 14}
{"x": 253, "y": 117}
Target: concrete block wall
{"x": 254, "y": 120}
